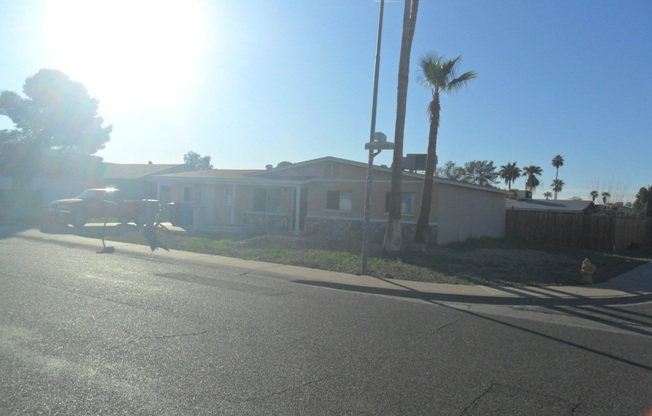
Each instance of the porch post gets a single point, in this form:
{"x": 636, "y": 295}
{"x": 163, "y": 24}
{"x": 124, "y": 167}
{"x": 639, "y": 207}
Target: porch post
{"x": 233, "y": 199}
{"x": 158, "y": 191}
{"x": 297, "y": 210}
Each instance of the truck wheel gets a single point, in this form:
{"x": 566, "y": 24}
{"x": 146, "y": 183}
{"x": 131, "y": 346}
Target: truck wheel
{"x": 79, "y": 219}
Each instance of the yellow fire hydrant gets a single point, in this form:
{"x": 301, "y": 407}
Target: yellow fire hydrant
{"x": 587, "y": 271}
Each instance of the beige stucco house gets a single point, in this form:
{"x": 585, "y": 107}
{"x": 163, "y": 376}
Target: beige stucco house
{"x": 326, "y": 196}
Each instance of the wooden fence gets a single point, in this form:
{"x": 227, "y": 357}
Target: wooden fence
{"x": 593, "y": 232}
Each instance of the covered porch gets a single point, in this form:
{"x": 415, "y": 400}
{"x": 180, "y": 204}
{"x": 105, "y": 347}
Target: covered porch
{"x": 245, "y": 207}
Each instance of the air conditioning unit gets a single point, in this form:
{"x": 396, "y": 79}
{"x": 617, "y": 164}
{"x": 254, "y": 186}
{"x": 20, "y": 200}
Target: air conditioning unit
{"x": 415, "y": 162}
{"x": 520, "y": 195}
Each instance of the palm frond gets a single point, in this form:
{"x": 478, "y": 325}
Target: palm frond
{"x": 439, "y": 73}
{"x": 460, "y": 81}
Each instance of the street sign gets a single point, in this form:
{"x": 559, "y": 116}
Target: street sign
{"x": 378, "y": 145}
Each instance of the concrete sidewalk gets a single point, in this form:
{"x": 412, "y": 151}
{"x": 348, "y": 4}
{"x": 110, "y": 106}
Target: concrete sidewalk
{"x": 633, "y": 286}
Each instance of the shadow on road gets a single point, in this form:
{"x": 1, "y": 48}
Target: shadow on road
{"x": 8, "y": 230}
{"x": 93, "y": 230}
{"x": 601, "y": 310}
{"x": 103, "y": 231}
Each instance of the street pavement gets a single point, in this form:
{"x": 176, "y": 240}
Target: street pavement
{"x": 633, "y": 286}
{"x": 144, "y": 332}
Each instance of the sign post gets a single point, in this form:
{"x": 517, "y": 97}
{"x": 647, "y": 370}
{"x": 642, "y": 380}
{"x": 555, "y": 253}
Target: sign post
{"x": 374, "y": 147}
{"x": 372, "y": 136}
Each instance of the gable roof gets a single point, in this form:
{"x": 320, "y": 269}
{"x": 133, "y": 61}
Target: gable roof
{"x": 213, "y": 174}
{"x": 386, "y": 169}
{"x": 139, "y": 170}
{"x": 266, "y": 175}
{"x": 570, "y": 206}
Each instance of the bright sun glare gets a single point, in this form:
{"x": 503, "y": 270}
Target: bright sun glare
{"x": 130, "y": 54}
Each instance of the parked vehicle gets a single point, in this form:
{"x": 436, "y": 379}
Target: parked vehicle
{"x": 100, "y": 203}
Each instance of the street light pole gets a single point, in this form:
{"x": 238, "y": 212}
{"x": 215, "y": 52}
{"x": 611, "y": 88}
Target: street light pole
{"x": 372, "y": 154}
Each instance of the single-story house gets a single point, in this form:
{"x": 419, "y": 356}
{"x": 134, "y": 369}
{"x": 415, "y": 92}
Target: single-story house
{"x": 327, "y": 196}
{"x": 543, "y": 205}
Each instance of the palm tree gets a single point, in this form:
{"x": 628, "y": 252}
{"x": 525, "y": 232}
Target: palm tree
{"x": 605, "y": 196}
{"x": 547, "y": 195}
{"x": 440, "y": 75}
{"x": 557, "y": 185}
{"x": 532, "y": 172}
{"x": 393, "y": 240}
{"x": 510, "y": 172}
{"x": 594, "y": 195}
{"x": 557, "y": 162}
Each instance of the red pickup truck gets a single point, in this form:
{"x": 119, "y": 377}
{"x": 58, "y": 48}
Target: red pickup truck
{"x": 100, "y": 203}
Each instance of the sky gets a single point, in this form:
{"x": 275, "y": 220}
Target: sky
{"x": 257, "y": 82}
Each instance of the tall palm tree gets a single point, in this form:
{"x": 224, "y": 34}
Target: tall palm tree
{"x": 547, "y": 195}
{"x": 393, "y": 240}
{"x": 594, "y": 195}
{"x": 557, "y": 186}
{"x": 510, "y": 172}
{"x": 605, "y": 196}
{"x": 557, "y": 162}
{"x": 532, "y": 172}
{"x": 440, "y": 75}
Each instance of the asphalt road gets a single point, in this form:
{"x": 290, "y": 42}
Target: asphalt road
{"x": 113, "y": 334}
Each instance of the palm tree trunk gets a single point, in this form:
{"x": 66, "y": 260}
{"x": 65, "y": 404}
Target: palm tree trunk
{"x": 421, "y": 232}
{"x": 556, "y": 174}
{"x": 393, "y": 241}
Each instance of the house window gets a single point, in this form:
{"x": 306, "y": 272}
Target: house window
{"x": 339, "y": 200}
{"x": 407, "y": 203}
{"x": 187, "y": 194}
{"x": 267, "y": 200}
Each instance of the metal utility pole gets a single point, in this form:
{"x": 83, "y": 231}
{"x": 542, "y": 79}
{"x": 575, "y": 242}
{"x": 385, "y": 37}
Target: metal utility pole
{"x": 371, "y": 147}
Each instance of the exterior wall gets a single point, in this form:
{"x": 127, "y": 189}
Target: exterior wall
{"x": 349, "y": 224}
{"x": 268, "y": 223}
{"x": 317, "y": 194}
{"x": 352, "y": 228}
{"x": 464, "y": 213}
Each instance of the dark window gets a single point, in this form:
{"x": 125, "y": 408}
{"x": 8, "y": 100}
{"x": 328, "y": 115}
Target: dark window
{"x": 333, "y": 200}
{"x": 407, "y": 203}
{"x": 267, "y": 200}
{"x": 339, "y": 200}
